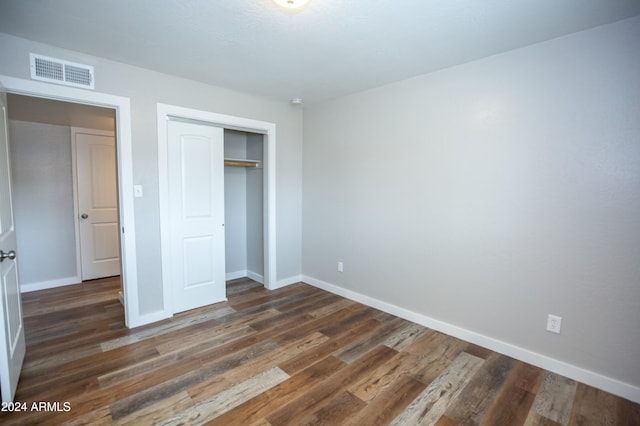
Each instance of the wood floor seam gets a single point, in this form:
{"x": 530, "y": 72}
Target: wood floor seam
{"x": 292, "y": 356}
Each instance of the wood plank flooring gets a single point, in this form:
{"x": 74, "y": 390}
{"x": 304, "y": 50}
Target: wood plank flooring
{"x": 293, "y": 356}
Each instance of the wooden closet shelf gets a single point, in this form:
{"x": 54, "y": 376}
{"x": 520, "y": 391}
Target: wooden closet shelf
{"x": 241, "y": 163}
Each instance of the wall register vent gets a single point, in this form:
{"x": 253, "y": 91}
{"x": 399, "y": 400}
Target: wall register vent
{"x": 58, "y": 71}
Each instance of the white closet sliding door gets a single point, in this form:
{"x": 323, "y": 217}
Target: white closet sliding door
{"x": 196, "y": 214}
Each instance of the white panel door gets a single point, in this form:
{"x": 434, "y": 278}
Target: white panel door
{"x": 196, "y": 214}
{"x": 12, "y": 343}
{"x": 97, "y": 205}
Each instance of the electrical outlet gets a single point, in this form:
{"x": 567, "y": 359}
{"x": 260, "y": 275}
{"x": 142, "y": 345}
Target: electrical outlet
{"x": 340, "y": 266}
{"x": 554, "y": 323}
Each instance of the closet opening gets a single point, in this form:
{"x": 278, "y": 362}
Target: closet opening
{"x": 247, "y": 147}
{"x": 244, "y": 205}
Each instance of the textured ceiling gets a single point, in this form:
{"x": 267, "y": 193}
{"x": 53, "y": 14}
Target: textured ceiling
{"x": 329, "y": 49}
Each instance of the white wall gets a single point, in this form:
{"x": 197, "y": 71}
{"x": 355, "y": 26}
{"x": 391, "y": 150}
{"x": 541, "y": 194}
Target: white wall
{"x": 485, "y": 196}
{"x": 43, "y": 202}
{"x": 145, "y": 89}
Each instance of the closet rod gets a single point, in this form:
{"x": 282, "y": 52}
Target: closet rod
{"x": 241, "y": 163}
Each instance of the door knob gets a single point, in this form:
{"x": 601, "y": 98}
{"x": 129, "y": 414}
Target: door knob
{"x": 9, "y": 255}
{"x": 84, "y": 215}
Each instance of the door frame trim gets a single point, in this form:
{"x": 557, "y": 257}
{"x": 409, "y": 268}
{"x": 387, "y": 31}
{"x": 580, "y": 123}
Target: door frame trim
{"x": 164, "y": 112}
{"x": 122, "y": 107}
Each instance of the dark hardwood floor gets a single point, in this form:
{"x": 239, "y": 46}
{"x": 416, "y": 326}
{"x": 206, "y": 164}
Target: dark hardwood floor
{"x": 294, "y": 356}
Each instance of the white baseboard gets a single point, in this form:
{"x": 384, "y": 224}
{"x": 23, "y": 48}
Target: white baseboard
{"x": 244, "y": 273}
{"x": 256, "y": 277}
{"x": 43, "y": 285}
{"x": 608, "y": 384}
{"x": 235, "y": 275}
{"x": 149, "y": 318}
{"x": 152, "y": 317}
{"x": 285, "y": 282}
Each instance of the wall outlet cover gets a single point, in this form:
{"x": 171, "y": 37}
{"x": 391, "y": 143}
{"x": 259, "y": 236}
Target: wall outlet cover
{"x": 554, "y": 323}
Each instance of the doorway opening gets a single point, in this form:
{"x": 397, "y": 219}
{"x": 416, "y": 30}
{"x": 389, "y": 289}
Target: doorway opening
{"x": 121, "y": 106}
{"x": 65, "y": 191}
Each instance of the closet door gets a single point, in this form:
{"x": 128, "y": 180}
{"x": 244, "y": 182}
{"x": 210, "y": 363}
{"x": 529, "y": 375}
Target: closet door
{"x": 196, "y": 214}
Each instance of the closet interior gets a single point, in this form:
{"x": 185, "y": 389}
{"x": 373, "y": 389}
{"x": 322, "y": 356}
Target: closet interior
{"x": 244, "y": 200}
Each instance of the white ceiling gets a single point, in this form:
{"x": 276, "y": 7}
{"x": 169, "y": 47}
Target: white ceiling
{"x": 329, "y": 49}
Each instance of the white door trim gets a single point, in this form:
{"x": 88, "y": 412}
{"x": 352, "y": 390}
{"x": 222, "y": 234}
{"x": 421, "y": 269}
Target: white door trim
{"x": 122, "y": 107}
{"x": 231, "y": 122}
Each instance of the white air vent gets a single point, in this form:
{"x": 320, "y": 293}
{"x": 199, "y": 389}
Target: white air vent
{"x": 62, "y": 72}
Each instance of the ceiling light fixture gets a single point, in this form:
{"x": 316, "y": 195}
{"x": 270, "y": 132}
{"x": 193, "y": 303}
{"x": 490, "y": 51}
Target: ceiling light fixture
{"x": 291, "y": 4}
